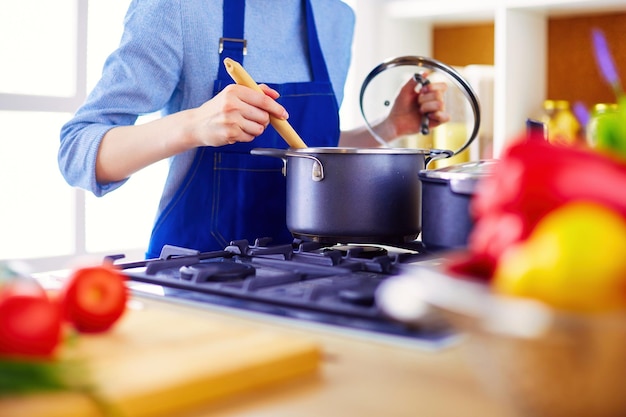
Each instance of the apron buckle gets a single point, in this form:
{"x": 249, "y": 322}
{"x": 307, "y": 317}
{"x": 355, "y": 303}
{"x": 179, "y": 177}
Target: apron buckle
{"x": 243, "y": 41}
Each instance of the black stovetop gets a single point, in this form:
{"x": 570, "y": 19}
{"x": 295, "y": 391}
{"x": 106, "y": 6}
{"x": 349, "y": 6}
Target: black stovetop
{"x": 303, "y": 280}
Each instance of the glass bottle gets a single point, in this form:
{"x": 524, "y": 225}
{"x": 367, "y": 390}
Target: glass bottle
{"x": 547, "y": 116}
{"x": 563, "y": 127}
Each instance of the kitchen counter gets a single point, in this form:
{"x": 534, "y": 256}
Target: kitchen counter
{"x": 359, "y": 376}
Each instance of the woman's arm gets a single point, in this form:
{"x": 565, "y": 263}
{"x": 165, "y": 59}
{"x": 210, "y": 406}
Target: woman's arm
{"x": 237, "y": 114}
{"x": 101, "y": 146}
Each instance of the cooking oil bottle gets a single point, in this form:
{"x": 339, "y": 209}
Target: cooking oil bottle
{"x": 547, "y": 116}
{"x": 562, "y": 125}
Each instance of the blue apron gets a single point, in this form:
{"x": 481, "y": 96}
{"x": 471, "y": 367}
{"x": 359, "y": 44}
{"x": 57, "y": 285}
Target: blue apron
{"x": 227, "y": 193}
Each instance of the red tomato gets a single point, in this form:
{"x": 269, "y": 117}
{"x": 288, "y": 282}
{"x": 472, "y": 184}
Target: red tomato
{"x": 94, "y": 298}
{"x": 30, "y": 322}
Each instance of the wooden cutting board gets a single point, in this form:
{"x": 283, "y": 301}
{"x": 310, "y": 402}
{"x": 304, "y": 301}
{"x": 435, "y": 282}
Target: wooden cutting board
{"x": 157, "y": 361}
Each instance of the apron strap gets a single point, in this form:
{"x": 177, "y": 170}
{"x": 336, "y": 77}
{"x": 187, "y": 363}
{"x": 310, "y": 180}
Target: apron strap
{"x": 233, "y": 43}
{"x": 316, "y": 58}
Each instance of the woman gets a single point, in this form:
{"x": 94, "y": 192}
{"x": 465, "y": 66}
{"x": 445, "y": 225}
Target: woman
{"x": 170, "y": 59}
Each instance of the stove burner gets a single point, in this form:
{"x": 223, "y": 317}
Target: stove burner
{"x": 360, "y": 296}
{"x": 360, "y": 252}
{"x": 215, "y": 272}
{"x": 304, "y": 280}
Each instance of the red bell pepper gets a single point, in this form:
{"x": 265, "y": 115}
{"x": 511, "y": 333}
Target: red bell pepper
{"x": 532, "y": 178}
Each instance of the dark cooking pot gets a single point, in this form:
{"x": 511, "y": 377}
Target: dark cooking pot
{"x": 350, "y": 195}
{"x": 363, "y": 195}
{"x": 446, "y": 196}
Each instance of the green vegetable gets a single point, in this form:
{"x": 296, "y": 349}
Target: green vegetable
{"x": 24, "y": 376}
{"x": 611, "y": 131}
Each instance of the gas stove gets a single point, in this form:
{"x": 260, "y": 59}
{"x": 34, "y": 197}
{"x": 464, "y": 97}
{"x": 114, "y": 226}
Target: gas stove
{"x": 333, "y": 285}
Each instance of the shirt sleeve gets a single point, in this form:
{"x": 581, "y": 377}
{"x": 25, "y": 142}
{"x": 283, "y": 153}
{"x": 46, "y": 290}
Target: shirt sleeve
{"x": 139, "y": 77}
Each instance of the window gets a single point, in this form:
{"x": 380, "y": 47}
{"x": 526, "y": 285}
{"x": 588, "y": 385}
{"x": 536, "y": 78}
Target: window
{"x": 123, "y": 219}
{"x": 53, "y": 57}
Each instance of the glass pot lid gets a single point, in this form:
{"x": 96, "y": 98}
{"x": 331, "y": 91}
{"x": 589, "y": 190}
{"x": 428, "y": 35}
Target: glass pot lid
{"x": 382, "y": 84}
{"x": 473, "y": 170}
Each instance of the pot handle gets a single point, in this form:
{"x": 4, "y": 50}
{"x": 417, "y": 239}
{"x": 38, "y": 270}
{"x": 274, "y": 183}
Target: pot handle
{"x": 429, "y": 63}
{"x": 276, "y": 153}
{"x": 317, "y": 173}
{"x": 437, "y": 154}
{"x": 273, "y": 152}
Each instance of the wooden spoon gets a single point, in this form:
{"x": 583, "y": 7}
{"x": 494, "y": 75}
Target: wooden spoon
{"x": 282, "y": 126}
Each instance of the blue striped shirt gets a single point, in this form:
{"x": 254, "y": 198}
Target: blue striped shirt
{"x": 168, "y": 59}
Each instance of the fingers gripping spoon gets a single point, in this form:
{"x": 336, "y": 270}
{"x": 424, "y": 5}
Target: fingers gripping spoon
{"x": 282, "y": 126}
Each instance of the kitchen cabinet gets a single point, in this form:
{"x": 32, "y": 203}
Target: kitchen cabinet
{"x": 520, "y": 44}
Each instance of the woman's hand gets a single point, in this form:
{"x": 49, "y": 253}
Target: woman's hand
{"x": 236, "y": 114}
{"x": 411, "y": 104}
{"x": 405, "y": 116}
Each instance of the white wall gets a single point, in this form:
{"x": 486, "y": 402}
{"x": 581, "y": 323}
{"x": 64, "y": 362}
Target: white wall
{"x": 377, "y": 38}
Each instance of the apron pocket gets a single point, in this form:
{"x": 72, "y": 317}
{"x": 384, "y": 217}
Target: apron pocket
{"x": 249, "y": 198}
